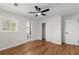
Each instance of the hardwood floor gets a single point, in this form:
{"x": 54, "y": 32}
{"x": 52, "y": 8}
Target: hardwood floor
{"x": 39, "y": 47}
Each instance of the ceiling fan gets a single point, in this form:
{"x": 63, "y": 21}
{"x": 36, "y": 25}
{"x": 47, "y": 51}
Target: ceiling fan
{"x": 39, "y": 11}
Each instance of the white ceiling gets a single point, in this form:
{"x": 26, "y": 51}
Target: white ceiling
{"x": 55, "y": 9}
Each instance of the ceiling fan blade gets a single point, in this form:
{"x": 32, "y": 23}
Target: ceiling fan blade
{"x": 36, "y": 8}
{"x": 44, "y": 14}
{"x": 32, "y": 12}
{"x": 45, "y": 10}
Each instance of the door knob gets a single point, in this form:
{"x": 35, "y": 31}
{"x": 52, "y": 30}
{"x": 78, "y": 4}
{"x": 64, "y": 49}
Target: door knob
{"x": 66, "y": 33}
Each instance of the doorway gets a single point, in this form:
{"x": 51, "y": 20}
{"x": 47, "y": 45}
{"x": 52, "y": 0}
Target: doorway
{"x": 44, "y": 31}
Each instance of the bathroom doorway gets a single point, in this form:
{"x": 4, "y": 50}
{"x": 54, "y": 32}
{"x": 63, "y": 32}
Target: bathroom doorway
{"x": 44, "y": 31}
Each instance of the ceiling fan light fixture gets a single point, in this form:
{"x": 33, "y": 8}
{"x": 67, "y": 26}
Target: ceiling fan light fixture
{"x": 39, "y": 13}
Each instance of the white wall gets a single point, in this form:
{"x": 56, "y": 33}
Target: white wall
{"x": 53, "y": 29}
{"x": 10, "y": 39}
{"x": 36, "y": 29}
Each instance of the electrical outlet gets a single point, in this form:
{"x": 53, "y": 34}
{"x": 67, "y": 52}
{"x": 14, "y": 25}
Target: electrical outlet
{"x": 78, "y": 41}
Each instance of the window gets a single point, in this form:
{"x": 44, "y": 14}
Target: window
{"x": 8, "y": 24}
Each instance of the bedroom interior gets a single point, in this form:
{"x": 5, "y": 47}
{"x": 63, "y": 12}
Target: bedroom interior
{"x": 39, "y": 28}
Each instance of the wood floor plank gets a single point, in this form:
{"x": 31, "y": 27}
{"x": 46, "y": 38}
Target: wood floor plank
{"x": 39, "y": 47}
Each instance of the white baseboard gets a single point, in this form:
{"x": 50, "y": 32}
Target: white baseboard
{"x": 59, "y": 43}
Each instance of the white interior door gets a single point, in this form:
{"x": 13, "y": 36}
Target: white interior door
{"x": 71, "y": 31}
{"x": 48, "y": 32}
